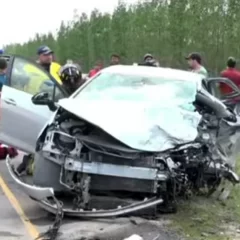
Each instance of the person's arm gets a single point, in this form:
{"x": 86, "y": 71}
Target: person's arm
{"x": 4, "y": 151}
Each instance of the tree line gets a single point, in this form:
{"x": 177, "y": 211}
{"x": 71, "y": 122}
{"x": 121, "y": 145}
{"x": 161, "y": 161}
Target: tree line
{"x": 169, "y": 29}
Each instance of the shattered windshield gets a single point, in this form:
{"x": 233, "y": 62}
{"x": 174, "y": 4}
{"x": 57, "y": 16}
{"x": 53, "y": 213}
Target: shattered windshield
{"x": 145, "y": 112}
{"x": 140, "y": 89}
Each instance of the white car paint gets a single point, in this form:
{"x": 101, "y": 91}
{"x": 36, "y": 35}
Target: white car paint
{"x": 21, "y": 118}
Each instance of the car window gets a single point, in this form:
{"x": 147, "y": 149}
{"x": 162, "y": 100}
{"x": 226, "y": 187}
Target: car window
{"x": 29, "y": 78}
{"x": 138, "y": 89}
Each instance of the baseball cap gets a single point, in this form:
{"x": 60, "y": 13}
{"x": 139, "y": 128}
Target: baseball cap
{"x": 194, "y": 56}
{"x": 44, "y": 50}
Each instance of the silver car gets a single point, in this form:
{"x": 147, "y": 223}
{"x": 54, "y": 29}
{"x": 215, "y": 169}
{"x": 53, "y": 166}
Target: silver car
{"x": 132, "y": 136}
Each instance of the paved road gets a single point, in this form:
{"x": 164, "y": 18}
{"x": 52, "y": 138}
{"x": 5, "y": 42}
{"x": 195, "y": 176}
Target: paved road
{"x": 23, "y": 219}
{"x": 11, "y": 226}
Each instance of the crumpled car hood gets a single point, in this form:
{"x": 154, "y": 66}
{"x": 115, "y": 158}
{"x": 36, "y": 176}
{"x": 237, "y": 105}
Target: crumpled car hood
{"x": 147, "y": 127}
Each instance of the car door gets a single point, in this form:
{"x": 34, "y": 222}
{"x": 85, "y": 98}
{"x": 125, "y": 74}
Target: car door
{"x": 227, "y": 137}
{"x": 21, "y": 120}
{"x": 216, "y": 86}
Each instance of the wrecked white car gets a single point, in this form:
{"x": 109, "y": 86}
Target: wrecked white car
{"x": 129, "y": 139}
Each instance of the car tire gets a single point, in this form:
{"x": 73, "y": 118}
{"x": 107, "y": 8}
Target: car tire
{"x": 46, "y": 173}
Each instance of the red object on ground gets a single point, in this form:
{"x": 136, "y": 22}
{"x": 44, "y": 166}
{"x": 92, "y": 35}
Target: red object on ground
{"x": 232, "y": 74}
{"x": 4, "y": 151}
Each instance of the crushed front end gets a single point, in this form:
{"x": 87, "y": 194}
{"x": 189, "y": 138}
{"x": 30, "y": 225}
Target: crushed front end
{"x": 96, "y": 171}
{"x": 95, "y": 175}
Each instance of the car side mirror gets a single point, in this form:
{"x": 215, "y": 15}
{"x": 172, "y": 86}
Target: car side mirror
{"x": 43, "y": 98}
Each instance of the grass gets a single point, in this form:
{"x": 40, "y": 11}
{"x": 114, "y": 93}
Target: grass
{"x": 208, "y": 218}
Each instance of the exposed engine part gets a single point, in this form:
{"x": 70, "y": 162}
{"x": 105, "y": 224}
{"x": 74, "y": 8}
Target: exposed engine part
{"x": 82, "y": 192}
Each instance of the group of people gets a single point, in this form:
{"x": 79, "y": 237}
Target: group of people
{"x": 69, "y": 75}
{"x": 148, "y": 60}
{"x": 194, "y": 61}
{"x": 231, "y": 72}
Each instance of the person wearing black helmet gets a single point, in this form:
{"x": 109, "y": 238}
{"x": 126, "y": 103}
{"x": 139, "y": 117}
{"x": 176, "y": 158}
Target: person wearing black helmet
{"x": 149, "y": 61}
{"x": 148, "y": 57}
{"x": 71, "y": 77}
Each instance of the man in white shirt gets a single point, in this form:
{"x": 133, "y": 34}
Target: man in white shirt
{"x": 195, "y": 63}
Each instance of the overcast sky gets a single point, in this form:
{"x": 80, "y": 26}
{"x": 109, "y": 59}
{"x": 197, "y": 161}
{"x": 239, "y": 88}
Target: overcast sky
{"x": 23, "y": 18}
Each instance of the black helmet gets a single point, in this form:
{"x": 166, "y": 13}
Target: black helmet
{"x": 149, "y": 60}
{"x": 70, "y": 73}
{"x": 147, "y": 57}
{"x": 149, "y": 63}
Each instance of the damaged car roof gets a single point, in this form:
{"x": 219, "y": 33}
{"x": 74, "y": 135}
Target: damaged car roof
{"x": 154, "y": 72}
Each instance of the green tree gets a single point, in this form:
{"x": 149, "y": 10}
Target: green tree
{"x": 169, "y": 29}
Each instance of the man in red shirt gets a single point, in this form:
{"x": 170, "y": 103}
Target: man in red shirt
{"x": 231, "y": 73}
{"x": 96, "y": 69}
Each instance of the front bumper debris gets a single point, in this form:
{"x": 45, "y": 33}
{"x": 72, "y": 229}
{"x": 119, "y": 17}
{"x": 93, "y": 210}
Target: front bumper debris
{"x": 34, "y": 192}
{"x": 46, "y": 199}
{"x": 146, "y": 203}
